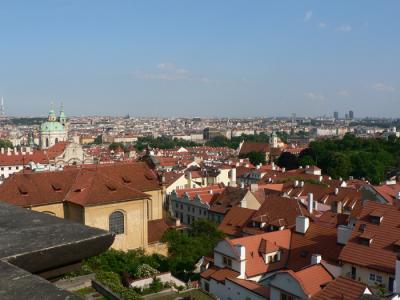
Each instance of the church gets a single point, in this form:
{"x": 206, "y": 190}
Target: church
{"x": 54, "y": 130}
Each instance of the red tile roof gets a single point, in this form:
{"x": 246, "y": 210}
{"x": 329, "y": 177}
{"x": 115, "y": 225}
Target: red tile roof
{"x": 83, "y": 186}
{"x": 248, "y": 147}
{"x": 155, "y": 230}
{"x": 235, "y": 220}
{"x": 255, "y": 264}
{"x": 380, "y": 253}
{"x": 341, "y": 289}
{"x": 252, "y": 286}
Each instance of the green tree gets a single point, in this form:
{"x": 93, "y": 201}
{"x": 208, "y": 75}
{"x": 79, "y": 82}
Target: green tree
{"x": 255, "y": 157}
{"x": 306, "y": 160}
{"x": 288, "y": 160}
{"x": 5, "y": 144}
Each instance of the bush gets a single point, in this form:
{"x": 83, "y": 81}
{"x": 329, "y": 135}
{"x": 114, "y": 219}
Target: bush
{"x": 156, "y": 285}
{"x": 113, "y": 282}
{"x": 144, "y": 271}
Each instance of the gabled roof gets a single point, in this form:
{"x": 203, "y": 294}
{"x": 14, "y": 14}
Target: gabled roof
{"x": 248, "y": 147}
{"x": 255, "y": 264}
{"x": 320, "y": 239}
{"x": 341, "y": 289}
{"x": 311, "y": 279}
{"x": 230, "y": 197}
{"x": 380, "y": 254}
{"x": 235, "y": 220}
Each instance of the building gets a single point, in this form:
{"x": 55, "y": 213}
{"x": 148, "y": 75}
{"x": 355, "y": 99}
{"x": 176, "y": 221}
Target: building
{"x": 121, "y": 198}
{"x": 371, "y": 252}
{"x": 351, "y": 115}
{"x": 336, "y": 115}
{"x": 54, "y": 130}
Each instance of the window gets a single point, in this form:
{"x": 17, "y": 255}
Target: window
{"x": 207, "y": 286}
{"x": 371, "y": 276}
{"x": 116, "y": 222}
{"x": 176, "y": 205}
{"x": 379, "y": 278}
{"x": 9, "y": 168}
{"x": 286, "y": 297}
{"x": 227, "y": 261}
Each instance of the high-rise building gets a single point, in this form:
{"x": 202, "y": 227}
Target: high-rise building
{"x": 336, "y": 115}
{"x": 2, "y": 112}
{"x": 351, "y": 115}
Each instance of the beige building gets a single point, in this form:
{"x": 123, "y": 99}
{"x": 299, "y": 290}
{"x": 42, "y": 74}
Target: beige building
{"x": 121, "y": 198}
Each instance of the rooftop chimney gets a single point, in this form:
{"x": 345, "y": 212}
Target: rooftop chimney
{"x": 310, "y": 202}
{"x": 2, "y": 150}
{"x": 302, "y": 224}
{"x": 301, "y": 183}
{"x": 233, "y": 176}
{"x": 296, "y": 183}
{"x": 398, "y": 196}
{"x": 242, "y": 255}
{"x": 320, "y": 178}
{"x": 336, "y": 191}
{"x": 254, "y": 187}
{"x": 343, "y": 234}
{"x": 283, "y": 170}
{"x": 316, "y": 259}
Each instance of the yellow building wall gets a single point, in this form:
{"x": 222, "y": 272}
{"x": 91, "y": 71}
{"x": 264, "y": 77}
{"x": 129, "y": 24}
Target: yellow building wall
{"x": 135, "y": 213}
{"x": 157, "y": 248}
{"x": 56, "y": 209}
{"x": 362, "y": 275}
{"x": 156, "y": 205}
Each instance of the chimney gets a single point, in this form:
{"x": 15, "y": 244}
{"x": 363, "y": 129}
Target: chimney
{"x": 242, "y": 185}
{"x": 254, "y": 187}
{"x": 273, "y": 167}
{"x": 310, "y": 202}
{"x": 210, "y": 192}
{"x": 398, "y": 196}
{"x": 8, "y": 151}
{"x": 302, "y": 224}
{"x": 316, "y": 259}
{"x": 336, "y": 191}
{"x": 242, "y": 255}
{"x": 339, "y": 207}
{"x": 2, "y": 150}
{"x": 301, "y": 183}
{"x": 283, "y": 170}
{"x": 296, "y": 183}
{"x": 343, "y": 234}
{"x": 233, "y": 177}
{"x": 320, "y": 178}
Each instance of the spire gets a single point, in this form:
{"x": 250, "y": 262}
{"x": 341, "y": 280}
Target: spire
{"x": 63, "y": 118}
{"x": 52, "y": 115}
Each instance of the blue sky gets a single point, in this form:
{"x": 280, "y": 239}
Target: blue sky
{"x": 201, "y": 58}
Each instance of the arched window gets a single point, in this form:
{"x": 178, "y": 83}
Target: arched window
{"x": 116, "y": 222}
{"x": 47, "y": 142}
{"x": 56, "y": 140}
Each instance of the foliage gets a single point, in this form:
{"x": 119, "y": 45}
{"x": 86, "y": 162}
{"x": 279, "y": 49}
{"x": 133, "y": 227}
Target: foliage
{"x": 156, "y": 285}
{"x": 116, "y": 146}
{"x": 162, "y": 142}
{"x": 113, "y": 282}
{"x": 372, "y": 159}
{"x": 144, "y": 271}
{"x": 300, "y": 178}
{"x": 186, "y": 248}
{"x": 222, "y": 141}
{"x": 255, "y": 157}
{"x": 98, "y": 140}
{"x": 120, "y": 261}
{"x": 5, "y": 144}
{"x": 288, "y": 161}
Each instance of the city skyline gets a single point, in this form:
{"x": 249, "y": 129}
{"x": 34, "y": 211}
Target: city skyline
{"x": 200, "y": 59}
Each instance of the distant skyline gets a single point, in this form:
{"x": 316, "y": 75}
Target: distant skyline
{"x": 201, "y": 58}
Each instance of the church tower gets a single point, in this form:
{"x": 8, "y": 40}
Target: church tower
{"x": 273, "y": 140}
{"x": 63, "y": 118}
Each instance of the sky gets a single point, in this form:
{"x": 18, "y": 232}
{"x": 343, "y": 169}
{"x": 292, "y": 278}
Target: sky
{"x": 201, "y": 58}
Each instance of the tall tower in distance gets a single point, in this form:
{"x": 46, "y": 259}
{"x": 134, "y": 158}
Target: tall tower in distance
{"x": 2, "y": 111}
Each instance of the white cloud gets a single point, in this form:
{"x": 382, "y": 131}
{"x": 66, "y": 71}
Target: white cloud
{"x": 164, "y": 71}
{"x": 315, "y": 96}
{"x": 308, "y": 15}
{"x": 345, "y": 28}
{"x": 322, "y": 25}
{"x": 343, "y": 93}
{"x": 382, "y": 87}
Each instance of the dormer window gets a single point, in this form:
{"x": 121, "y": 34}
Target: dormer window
{"x": 365, "y": 238}
{"x": 56, "y": 187}
{"x": 376, "y": 216}
{"x": 23, "y": 190}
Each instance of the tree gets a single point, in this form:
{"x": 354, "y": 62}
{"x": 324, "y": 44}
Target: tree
{"x": 255, "y": 157}
{"x": 306, "y": 160}
{"x": 5, "y": 144}
{"x": 98, "y": 140}
{"x": 116, "y": 146}
{"x": 288, "y": 160}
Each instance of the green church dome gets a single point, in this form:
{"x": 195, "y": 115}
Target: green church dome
{"x": 52, "y": 127}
